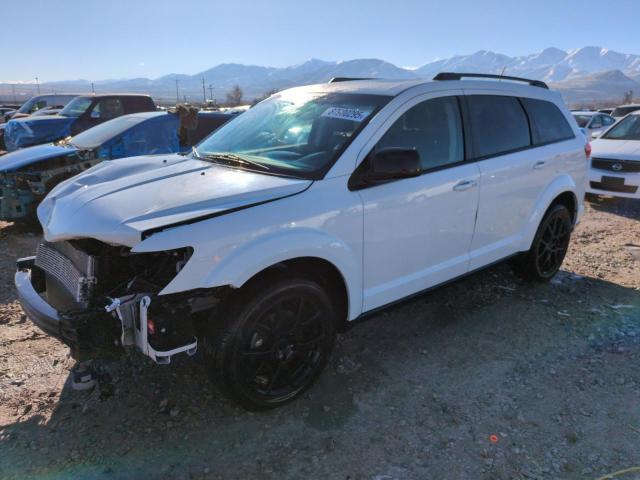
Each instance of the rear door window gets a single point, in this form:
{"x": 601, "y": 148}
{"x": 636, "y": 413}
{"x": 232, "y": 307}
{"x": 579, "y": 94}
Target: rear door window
{"x": 433, "y": 128}
{"x": 548, "y": 124}
{"x": 109, "y": 108}
{"x": 499, "y": 124}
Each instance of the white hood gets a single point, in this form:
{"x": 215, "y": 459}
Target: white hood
{"x": 618, "y": 149}
{"x": 117, "y": 200}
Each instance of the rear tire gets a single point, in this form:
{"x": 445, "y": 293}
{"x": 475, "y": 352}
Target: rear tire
{"x": 549, "y": 247}
{"x": 270, "y": 342}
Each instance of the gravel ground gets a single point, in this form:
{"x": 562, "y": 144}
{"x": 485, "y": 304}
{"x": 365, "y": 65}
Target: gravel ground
{"x": 488, "y": 378}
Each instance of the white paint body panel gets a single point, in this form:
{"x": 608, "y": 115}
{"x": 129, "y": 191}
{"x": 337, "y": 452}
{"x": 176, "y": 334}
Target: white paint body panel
{"x": 388, "y": 241}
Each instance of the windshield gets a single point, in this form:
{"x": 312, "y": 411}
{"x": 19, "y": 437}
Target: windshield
{"x": 26, "y": 107}
{"x": 583, "y": 120}
{"x": 622, "y": 111}
{"x": 104, "y": 132}
{"x": 297, "y": 133}
{"x": 627, "y": 129}
{"x": 76, "y": 107}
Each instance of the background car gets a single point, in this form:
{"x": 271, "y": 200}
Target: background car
{"x": 30, "y": 173}
{"x": 39, "y": 102}
{"x": 4, "y": 111}
{"x": 615, "y": 162}
{"x": 82, "y": 113}
{"x": 593, "y": 122}
{"x": 606, "y": 110}
{"x": 623, "y": 110}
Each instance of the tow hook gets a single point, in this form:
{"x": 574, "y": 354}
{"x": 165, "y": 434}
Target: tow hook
{"x": 114, "y": 305}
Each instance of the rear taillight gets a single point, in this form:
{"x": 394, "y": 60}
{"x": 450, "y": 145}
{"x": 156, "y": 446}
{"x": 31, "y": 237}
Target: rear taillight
{"x": 587, "y": 150}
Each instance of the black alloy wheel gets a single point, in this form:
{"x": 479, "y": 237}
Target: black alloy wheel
{"x": 553, "y": 243}
{"x": 549, "y": 246}
{"x": 277, "y": 341}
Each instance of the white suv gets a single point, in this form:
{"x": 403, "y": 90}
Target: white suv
{"x": 319, "y": 205}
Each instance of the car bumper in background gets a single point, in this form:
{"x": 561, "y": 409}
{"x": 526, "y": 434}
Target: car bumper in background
{"x": 625, "y": 185}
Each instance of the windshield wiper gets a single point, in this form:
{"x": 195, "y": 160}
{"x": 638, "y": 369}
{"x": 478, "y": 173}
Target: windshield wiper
{"x": 230, "y": 158}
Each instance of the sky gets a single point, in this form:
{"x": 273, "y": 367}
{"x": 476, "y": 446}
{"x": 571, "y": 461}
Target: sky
{"x": 106, "y": 39}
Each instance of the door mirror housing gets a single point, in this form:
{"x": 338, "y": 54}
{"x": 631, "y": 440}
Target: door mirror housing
{"x": 393, "y": 164}
{"x": 386, "y": 165}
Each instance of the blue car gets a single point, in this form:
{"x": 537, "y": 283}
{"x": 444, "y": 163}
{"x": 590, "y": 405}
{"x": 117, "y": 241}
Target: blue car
{"x": 27, "y": 175}
{"x": 80, "y": 114}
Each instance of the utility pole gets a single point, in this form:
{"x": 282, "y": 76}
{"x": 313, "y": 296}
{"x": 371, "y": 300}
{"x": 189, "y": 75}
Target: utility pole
{"x": 204, "y": 93}
{"x": 93, "y": 90}
{"x": 38, "y": 85}
{"x": 13, "y": 90}
{"x": 211, "y": 92}
{"x": 177, "y": 93}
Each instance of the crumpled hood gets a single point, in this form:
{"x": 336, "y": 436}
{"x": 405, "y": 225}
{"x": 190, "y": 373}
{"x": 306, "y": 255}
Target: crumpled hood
{"x": 620, "y": 149}
{"x": 116, "y": 201}
{"x": 26, "y": 156}
{"x": 28, "y": 131}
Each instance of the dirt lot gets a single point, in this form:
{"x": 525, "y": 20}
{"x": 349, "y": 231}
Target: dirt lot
{"x": 416, "y": 392}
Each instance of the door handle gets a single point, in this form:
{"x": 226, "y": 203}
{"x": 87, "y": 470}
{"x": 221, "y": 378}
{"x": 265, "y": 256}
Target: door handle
{"x": 540, "y": 164}
{"x": 464, "y": 185}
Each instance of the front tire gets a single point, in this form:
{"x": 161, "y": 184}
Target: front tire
{"x": 271, "y": 342}
{"x": 549, "y": 247}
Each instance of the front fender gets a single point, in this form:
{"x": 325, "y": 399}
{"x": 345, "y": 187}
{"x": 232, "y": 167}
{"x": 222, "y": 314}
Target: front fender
{"x": 561, "y": 184}
{"x": 235, "y": 266}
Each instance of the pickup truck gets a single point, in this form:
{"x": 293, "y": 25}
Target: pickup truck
{"x": 80, "y": 114}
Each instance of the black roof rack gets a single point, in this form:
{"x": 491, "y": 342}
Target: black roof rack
{"x": 347, "y": 79}
{"x": 460, "y": 76}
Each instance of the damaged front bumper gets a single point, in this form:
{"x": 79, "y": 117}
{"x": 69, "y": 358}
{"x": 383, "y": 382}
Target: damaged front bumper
{"x": 15, "y": 203}
{"x": 90, "y": 332}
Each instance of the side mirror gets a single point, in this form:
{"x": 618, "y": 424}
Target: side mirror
{"x": 393, "y": 164}
{"x": 596, "y": 134}
{"x": 95, "y": 114}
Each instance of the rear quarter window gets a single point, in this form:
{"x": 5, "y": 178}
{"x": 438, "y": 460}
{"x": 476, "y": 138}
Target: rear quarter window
{"x": 548, "y": 124}
{"x": 498, "y": 124}
{"x": 138, "y": 104}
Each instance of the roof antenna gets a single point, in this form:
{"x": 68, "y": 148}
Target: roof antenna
{"x": 502, "y": 73}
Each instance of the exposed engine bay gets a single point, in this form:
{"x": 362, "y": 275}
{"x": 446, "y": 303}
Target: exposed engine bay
{"x": 21, "y": 190}
{"x": 107, "y": 298}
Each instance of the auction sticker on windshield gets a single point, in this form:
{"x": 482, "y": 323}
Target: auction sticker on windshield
{"x": 352, "y": 114}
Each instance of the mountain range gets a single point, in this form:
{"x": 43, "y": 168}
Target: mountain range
{"x": 583, "y": 75}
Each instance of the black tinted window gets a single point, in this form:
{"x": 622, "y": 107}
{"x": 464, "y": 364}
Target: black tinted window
{"x": 498, "y": 124}
{"x": 433, "y": 128}
{"x": 109, "y": 108}
{"x": 548, "y": 124}
{"x": 139, "y": 104}
{"x": 622, "y": 111}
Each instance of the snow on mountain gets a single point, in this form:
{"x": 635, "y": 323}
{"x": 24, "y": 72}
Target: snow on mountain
{"x": 482, "y": 61}
{"x": 565, "y": 68}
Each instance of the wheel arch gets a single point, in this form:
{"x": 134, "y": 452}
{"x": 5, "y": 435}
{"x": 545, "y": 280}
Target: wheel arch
{"x": 561, "y": 191}
{"x": 317, "y": 269}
